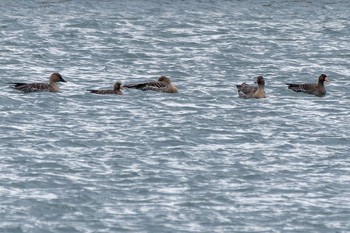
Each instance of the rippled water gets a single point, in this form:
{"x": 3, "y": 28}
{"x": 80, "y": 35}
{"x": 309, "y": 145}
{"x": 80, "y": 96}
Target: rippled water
{"x": 202, "y": 160}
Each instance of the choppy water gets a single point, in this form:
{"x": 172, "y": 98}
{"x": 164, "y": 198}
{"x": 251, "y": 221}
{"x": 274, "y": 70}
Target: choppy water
{"x": 202, "y": 160}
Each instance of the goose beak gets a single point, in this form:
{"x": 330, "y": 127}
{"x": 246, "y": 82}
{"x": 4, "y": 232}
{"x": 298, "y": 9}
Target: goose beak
{"x": 122, "y": 88}
{"x": 62, "y": 80}
{"x": 327, "y": 80}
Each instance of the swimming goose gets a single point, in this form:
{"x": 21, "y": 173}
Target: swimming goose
{"x": 316, "y": 89}
{"x": 163, "y": 84}
{"x": 52, "y": 86}
{"x": 247, "y": 91}
{"x": 116, "y": 90}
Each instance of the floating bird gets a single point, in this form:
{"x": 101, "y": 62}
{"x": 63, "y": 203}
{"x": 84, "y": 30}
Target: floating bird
{"x": 52, "y": 86}
{"x": 116, "y": 90}
{"x": 247, "y": 91}
{"x": 316, "y": 89}
{"x": 163, "y": 84}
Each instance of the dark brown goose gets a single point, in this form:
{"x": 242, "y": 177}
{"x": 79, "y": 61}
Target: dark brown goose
{"x": 37, "y": 87}
{"x": 163, "y": 84}
{"x": 116, "y": 90}
{"x": 316, "y": 89}
{"x": 248, "y": 91}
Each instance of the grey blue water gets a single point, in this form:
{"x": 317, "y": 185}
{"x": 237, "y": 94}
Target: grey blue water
{"x": 201, "y": 160}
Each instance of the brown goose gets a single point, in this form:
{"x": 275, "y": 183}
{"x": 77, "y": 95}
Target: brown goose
{"x": 116, "y": 90}
{"x": 163, "y": 84}
{"x": 316, "y": 89}
{"x": 247, "y": 91}
{"x": 52, "y": 86}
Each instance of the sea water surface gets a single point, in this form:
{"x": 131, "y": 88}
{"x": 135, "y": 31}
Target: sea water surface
{"x": 202, "y": 160}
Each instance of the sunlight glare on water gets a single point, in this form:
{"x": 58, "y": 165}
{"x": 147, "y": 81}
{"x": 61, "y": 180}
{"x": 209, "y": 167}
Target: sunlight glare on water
{"x": 201, "y": 160}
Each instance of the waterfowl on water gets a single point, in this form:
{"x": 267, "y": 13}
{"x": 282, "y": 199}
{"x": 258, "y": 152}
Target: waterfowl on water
{"x": 52, "y": 86}
{"x": 116, "y": 90}
{"x": 316, "y": 89}
{"x": 248, "y": 91}
{"x": 163, "y": 84}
